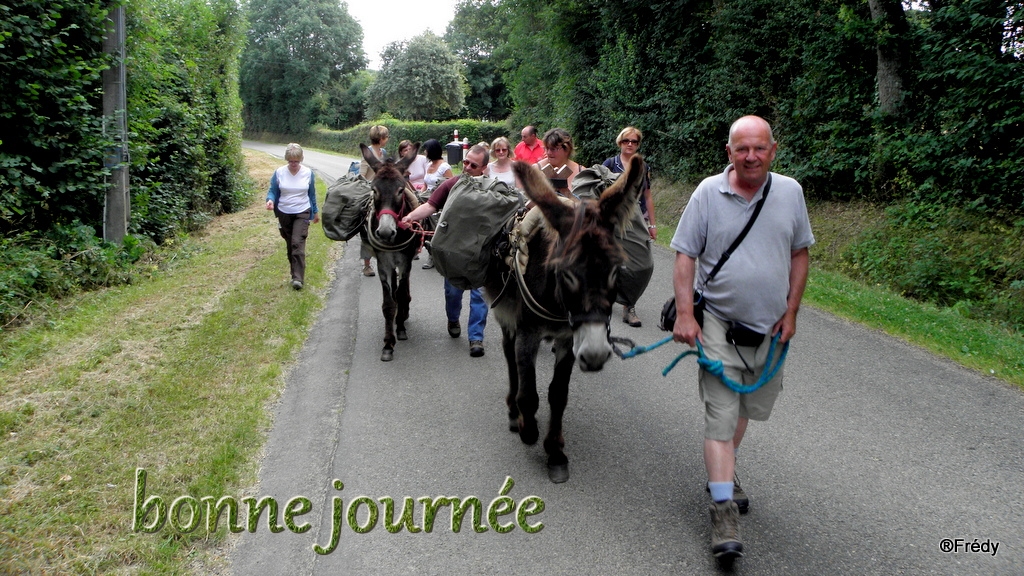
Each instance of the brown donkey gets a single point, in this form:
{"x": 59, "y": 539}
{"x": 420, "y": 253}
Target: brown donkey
{"x": 394, "y": 243}
{"x": 565, "y": 293}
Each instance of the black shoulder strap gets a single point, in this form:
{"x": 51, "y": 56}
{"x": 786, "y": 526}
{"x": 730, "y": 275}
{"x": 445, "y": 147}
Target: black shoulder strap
{"x": 743, "y": 234}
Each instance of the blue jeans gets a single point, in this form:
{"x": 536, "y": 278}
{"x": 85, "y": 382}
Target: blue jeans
{"x": 477, "y": 309}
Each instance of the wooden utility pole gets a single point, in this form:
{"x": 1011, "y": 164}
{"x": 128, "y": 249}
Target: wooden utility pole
{"x": 115, "y": 124}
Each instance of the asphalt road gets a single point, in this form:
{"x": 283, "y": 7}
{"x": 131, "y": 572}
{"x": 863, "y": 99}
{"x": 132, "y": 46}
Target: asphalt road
{"x": 877, "y": 451}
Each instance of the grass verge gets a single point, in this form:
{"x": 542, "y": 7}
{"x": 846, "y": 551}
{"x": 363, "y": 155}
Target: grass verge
{"x": 173, "y": 375}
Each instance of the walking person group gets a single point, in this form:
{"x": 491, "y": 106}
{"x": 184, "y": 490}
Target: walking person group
{"x": 742, "y": 252}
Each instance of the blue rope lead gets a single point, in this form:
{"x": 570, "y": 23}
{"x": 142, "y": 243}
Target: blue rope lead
{"x": 716, "y": 368}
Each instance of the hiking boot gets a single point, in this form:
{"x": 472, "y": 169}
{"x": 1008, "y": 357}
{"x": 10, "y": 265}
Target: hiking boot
{"x": 368, "y": 270}
{"x": 738, "y": 495}
{"x": 629, "y": 316}
{"x": 429, "y": 263}
{"x": 476, "y": 348}
{"x": 725, "y": 530}
{"x": 454, "y": 330}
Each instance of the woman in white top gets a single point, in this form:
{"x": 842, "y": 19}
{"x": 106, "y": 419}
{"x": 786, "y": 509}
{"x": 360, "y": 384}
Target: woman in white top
{"x": 437, "y": 169}
{"x": 501, "y": 167}
{"x": 292, "y": 197}
{"x": 417, "y": 170}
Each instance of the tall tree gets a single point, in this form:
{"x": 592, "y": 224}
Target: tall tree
{"x": 474, "y": 33}
{"x": 421, "y": 79}
{"x": 296, "y": 48}
{"x": 892, "y": 47}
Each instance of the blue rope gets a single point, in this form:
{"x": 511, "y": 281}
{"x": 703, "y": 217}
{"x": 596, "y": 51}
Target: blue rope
{"x": 716, "y": 368}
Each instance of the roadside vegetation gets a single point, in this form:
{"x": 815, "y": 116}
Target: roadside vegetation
{"x": 173, "y": 373}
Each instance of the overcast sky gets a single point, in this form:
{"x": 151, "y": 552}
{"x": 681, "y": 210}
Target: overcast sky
{"x": 386, "y": 21}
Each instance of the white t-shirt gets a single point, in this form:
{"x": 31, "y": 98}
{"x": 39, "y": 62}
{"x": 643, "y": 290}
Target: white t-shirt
{"x": 294, "y": 190}
{"x": 432, "y": 179}
{"x": 508, "y": 177}
{"x": 418, "y": 169}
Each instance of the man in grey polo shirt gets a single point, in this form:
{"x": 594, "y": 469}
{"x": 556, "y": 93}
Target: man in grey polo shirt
{"x": 760, "y": 287}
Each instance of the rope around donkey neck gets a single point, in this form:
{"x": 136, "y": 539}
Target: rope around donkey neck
{"x": 716, "y": 368}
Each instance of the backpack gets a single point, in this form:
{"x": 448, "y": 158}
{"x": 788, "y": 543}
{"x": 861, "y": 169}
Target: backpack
{"x": 344, "y": 209}
{"x": 472, "y": 219}
{"x": 636, "y": 272}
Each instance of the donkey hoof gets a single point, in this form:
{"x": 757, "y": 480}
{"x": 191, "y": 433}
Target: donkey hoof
{"x": 558, "y": 473}
{"x": 402, "y": 335}
{"x": 528, "y": 433}
{"x": 387, "y": 355}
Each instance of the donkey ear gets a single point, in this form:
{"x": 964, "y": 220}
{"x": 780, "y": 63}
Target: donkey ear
{"x": 406, "y": 160}
{"x": 538, "y": 189}
{"x": 618, "y": 202}
{"x": 369, "y": 157}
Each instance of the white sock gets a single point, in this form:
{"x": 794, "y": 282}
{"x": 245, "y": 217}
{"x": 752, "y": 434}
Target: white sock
{"x": 720, "y": 491}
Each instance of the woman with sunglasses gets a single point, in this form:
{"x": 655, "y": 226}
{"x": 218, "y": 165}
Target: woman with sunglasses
{"x": 628, "y": 141}
{"x": 557, "y": 166}
{"x": 501, "y": 167}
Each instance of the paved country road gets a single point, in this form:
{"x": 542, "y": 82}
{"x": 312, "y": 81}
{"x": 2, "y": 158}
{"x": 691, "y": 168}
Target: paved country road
{"x": 876, "y": 453}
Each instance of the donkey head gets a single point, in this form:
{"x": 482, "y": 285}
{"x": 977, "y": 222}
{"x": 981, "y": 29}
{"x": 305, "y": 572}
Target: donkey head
{"x": 585, "y": 256}
{"x": 390, "y": 199}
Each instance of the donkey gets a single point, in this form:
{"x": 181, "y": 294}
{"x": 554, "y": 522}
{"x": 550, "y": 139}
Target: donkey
{"x": 394, "y": 243}
{"x": 565, "y": 293}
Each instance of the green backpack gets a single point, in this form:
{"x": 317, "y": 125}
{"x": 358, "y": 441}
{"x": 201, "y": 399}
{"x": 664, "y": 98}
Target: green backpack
{"x": 344, "y": 211}
{"x": 635, "y": 274}
{"x": 472, "y": 219}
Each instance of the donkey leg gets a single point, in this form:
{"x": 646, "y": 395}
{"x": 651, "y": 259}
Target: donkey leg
{"x": 388, "y": 308}
{"x": 508, "y": 347}
{"x": 404, "y": 297}
{"x": 558, "y": 397}
{"x": 526, "y": 398}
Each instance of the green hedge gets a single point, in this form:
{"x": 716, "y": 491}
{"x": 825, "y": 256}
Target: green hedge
{"x": 347, "y": 141}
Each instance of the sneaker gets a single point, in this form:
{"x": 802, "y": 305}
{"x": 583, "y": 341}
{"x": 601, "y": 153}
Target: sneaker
{"x": 429, "y": 263}
{"x": 454, "y": 330}
{"x": 368, "y": 270}
{"x": 629, "y": 316}
{"x": 476, "y": 348}
{"x": 725, "y": 530}
{"x": 738, "y": 495}
{"x": 297, "y": 284}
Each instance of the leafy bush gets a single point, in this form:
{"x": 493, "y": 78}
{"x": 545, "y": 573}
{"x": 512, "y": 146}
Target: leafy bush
{"x": 51, "y": 167}
{"x": 948, "y": 256}
{"x": 37, "y": 268}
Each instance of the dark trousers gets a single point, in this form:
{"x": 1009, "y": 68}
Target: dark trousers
{"x": 294, "y": 228}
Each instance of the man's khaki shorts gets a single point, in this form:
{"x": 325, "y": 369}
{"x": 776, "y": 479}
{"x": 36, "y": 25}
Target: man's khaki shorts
{"x": 722, "y": 407}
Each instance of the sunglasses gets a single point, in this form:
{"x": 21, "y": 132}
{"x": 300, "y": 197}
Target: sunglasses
{"x": 471, "y": 165}
{"x": 496, "y": 150}
{"x": 628, "y": 141}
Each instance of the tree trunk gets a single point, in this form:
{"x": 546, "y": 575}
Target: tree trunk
{"x": 891, "y": 30}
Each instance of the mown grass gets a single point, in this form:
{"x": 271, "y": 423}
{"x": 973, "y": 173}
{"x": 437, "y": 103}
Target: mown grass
{"x": 173, "y": 375}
